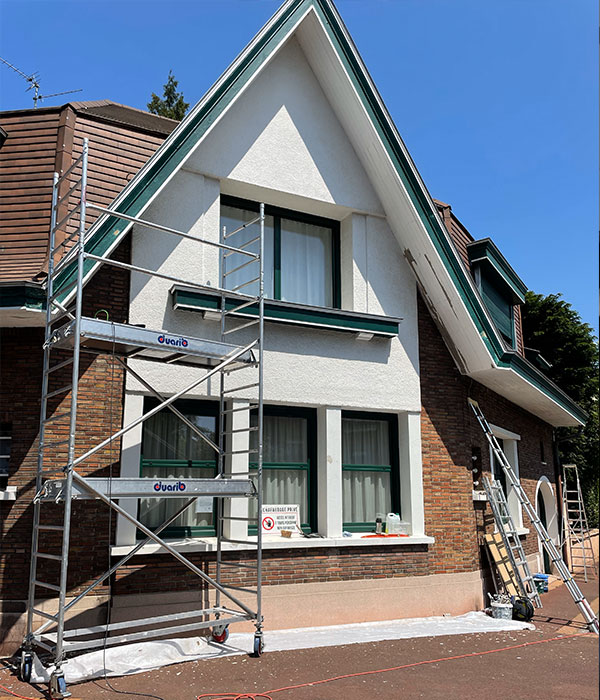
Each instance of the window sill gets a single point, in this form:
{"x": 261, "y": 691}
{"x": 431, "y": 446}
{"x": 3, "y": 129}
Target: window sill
{"x": 9, "y": 495}
{"x": 209, "y": 544}
{"x": 364, "y": 325}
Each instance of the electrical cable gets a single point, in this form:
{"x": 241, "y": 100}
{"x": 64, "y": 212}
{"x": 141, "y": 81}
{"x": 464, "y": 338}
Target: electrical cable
{"x": 16, "y": 695}
{"x": 267, "y": 694}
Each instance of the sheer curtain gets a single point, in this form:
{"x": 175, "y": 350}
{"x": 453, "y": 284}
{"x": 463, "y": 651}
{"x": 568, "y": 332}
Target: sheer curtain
{"x": 166, "y": 437}
{"x": 232, "y": 218}
{"x": 285, "y": 442}
{"x": 366, "y": 492}
{"x": 306, "y": 263}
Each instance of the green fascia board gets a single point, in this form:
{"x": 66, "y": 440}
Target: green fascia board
{"x": 171, "y": 154}
{"x": 486, "y": 252}
{"x": 534, "y": 376}
{"x": 286, "y": 312}
{"x": 26, "y": 295}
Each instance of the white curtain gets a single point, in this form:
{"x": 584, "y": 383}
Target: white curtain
{"x": 166, "y": 437}
{"x": 306, "y": 263}
{"x": 232, "y": 218}
{"x": 365, "y": 493}
{"x": 285, "y": 441}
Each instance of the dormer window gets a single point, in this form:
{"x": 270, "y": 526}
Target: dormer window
{"x": 499, "y": 285}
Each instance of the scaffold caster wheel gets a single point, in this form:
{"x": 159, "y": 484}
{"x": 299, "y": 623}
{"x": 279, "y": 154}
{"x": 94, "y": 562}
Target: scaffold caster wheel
{"x": 220, "y": 634}
{"x": 26, "y": 666}
{"x": 259, "y": 646}
{"x": 58, "y": 686}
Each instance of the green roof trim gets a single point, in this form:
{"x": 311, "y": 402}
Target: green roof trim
{"x": 288, "y": 312}
{"x": 485, "y": 252}
{"x": 27, "y": 295}
{"x": 202, "y": 117}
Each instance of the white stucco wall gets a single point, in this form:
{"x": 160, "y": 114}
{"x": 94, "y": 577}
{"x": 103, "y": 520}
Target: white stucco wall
{"x": 283, "y": 142}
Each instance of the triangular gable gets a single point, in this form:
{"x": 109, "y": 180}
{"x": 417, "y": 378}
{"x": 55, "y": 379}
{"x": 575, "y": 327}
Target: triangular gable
{"x": 440, "y": 272}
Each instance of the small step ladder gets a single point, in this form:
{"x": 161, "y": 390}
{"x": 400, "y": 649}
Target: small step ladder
{"x": 510, "y": 538}
{"x": 576, "y": 532}
{"x": 580, "y": 600}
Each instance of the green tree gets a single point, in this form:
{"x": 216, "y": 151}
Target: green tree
{"x": 553, "y": 327}
{"x": 172, "y": 104}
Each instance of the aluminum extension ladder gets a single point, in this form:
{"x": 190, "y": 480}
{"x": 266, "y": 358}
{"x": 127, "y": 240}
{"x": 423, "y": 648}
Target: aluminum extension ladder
{"x": 512, "y": 543}
{"x": 576, "y": 532}
{"x": 553, "y": 552}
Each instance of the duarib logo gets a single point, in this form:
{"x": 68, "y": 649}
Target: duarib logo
{"x": 177, "y": 486}
{"x": 177, "y": 342}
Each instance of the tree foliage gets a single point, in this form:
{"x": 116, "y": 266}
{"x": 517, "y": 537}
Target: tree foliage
{"x": 172, "y": 104}
{"x": 553, "y": 327}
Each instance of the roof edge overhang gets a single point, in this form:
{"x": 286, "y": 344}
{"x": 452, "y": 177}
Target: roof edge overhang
{"x": 476, "y": 343}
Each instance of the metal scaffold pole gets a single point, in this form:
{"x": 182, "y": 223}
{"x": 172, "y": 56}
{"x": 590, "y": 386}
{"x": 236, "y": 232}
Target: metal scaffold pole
{"x": 222, "y": 359}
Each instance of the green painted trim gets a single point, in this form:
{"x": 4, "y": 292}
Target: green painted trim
{"x": 366, "y": 468}
{"x": 23, "y": 295}
{"x": 486, "y": 252}
{"x": 176, "y": 147}
{"x": 287, "y": 312}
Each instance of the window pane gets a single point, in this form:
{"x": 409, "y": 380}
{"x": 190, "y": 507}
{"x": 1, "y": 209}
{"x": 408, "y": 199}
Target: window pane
{"x": 285, "y": 440}
{"x": 364, "y": 495}
{"x": 284, "y": 486}
{"x": 232, "y": 218}
{"x": 365, "y": 442}
{"x": 499, "y": 306}
{"x": 167, "y": 437}
{"x": 306, "y": 263}
{"x": 497, "y": 470}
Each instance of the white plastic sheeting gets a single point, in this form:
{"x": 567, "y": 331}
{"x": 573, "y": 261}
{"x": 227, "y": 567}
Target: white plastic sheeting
{"x": 145, "y": 656}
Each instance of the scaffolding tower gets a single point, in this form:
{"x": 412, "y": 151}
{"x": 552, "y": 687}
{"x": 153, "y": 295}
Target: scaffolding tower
{"x": 68, "y": 335}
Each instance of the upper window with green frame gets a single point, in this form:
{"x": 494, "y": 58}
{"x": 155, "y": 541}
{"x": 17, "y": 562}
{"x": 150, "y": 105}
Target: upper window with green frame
{"x": 172, "y": 450}
{"x": 301, "y": 259}
{"x": 369, "y": 468}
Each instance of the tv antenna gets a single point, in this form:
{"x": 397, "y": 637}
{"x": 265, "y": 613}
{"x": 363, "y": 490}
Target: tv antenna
{"x": 34, "y": 84}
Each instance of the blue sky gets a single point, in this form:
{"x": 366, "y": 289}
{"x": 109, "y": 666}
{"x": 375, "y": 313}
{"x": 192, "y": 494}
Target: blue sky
{"x": 496, "y": 100}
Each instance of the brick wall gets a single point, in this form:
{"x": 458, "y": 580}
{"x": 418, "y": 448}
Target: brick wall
{"x": 449, "y": 432}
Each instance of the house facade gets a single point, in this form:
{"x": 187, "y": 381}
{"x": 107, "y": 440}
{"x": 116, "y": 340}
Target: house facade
{"x": 384, "y": 316}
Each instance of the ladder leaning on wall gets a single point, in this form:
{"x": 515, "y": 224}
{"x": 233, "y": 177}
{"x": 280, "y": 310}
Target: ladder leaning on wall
{"x": 59, "y": 481}
{"x": 553, "y": 552}
{"x": 510, "y": 538}
{"x": 576, "y": 532}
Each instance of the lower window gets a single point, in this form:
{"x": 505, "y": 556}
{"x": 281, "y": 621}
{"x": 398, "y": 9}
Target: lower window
{"x": 172, "y": 450}
{"x": 288, "y": 459}
{"x": 369, "y": 469}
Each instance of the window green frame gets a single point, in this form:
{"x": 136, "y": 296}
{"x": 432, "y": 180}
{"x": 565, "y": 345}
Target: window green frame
{"x": 393, "y": 468}
{"x": 188, "y": 407}
{"x": 498, "y": 302}
{"x": 279, "y": 213}
{"x": 310, "y": 466}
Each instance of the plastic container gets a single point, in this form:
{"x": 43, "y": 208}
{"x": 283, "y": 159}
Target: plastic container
{"x": 501, "y": 611}
{"x": 395, "y": 526}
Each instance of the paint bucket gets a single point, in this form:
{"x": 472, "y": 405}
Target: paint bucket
{"x": 501, "y": 611}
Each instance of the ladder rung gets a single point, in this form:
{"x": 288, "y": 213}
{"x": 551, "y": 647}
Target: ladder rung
{"x": 246, "y": 542}
{"x": 239, "y": 452}
{"x": 239, "y": 388}
{"x": 245, "y": 284}
{"x": 45, "y": 445}
{"x": 45, "y": 614}
{"x": 242, "y": 247}
{"x": 65, "y": 218}
{"x": 238, "y": 565}
{"x": 56, "y": 528}
{"x": 237, "y": 309}
{"x": 62, "y": 390}
{"x": 250, "y": 429}
{"x": 60, "y": 365}
{"x": 53, "y": 557}
{"x": 252, "y": 591}
{"x": 239, "y": 328}
{"x": 242, "y": 227}
{"x": 57, "y": 416}
{"x": 249, "y": 407}
{"x": 239, "y": 267}
{"x": 70, "y": 192}
{"x": 72, "y": 167}
{"x": 50, "y": 586}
